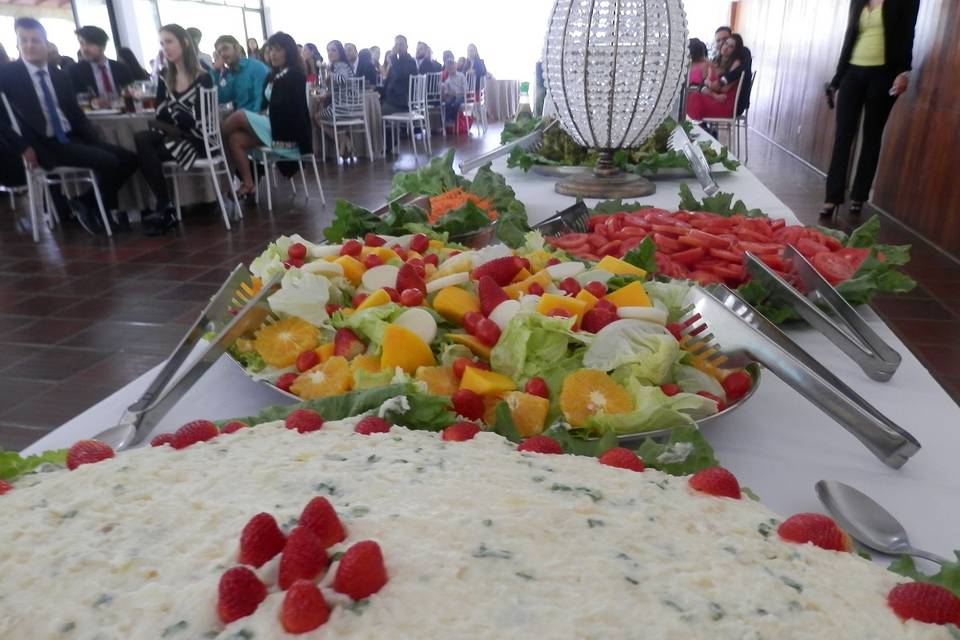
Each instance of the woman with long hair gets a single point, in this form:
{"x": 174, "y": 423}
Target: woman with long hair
{"x": 340, "y": 72}
{"x": 699, "y": 64}
{"x": 716, "y": 98}
{"x": 285, "y": 126}
{"x": 366, "y": 69}
{"x": 475, "y": 63}
{"x": 312, "y": 61}
{"x": 176, "y": 134}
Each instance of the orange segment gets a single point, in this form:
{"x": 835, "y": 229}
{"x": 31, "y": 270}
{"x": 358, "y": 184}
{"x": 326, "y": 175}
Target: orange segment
{"x": 366, "y": 362}
{"x": 330, "y": 378}
{"x": 529, "y": 412}
{"x": 587, "y": 392}
{"x": 325, "y": 351}
{"x": 440, "y": 381}
{"x": 280, "y": 343}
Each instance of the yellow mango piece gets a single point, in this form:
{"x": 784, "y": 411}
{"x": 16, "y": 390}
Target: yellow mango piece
{"x": 453, "y": 303}
{"x": 588, "y": 298}
{"x": 522, "y": 275}
{"x": 352, "y": 268}
{"x": 550, "y": 301}
{"x": 378, "y": 298}
{"x": 383, "y": 253}
{"x": 440, "y": 381}
{"x": 325, "y": 351}
{"x": 485, "y": 383}
{"x": 403, "y": 348}
{"x": 632, "y": 295}
{"x": 477, "y": 347}
{"x": 347, "y": 311}
{"x": 365, "y": 362}
{"x": 436, "y": 245}
{"x": 518, "y": 289}
{"x": 618, "y": 267}
{"x": 413, "y": 254}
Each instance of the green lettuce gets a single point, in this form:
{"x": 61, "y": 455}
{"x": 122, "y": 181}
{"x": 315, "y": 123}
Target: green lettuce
{"x": 350, "y": 221}
{"x": 13, "y": 465}
{"x": 692, "y": 380}
{"x": 269, "y": 263}
{"x": 607, "y": 207}
{"x": 425, "y": 411}
{"x": 722, "y": 204}
{"x": 580, "y": 442}
{"x": 432, "y": 179}
{"x": 534, "y": 345}
{"x": 653, "y": 409}
{"x": 648, "y": 347}
{"x": 673, "y": 294}
{"x": 684, "y": 453}
{"x": 463, "y": 220}
{"x": 643, "y": 256}
{"x": 302, "y": 295}
{"x": 250, "y": 360}
{"x": 512, "y": 224}
{"x": 371, "y": 323}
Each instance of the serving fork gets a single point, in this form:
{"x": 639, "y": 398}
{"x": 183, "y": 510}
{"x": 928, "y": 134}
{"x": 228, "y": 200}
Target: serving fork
{"x": 680, "y": 141}
{"x": 749, "y": 337}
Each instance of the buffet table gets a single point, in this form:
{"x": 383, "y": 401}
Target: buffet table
{"x": 777, "y": 444}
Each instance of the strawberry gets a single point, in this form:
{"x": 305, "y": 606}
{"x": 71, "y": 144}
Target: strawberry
{"x": 409, "y": 278}
{"x": 817, "y": 529}
{"x": 400, "y": 251}
{"x": 468, "y": 404}
{"x": 535, "y": 289}
{"x": 307, "y": 360}
{"x": 373, "y": 240}
{"x": 487, "y": 332}
{"x": 460, "y": 431}
{"x": 332, "y": 309}
{"x": 372, "y": 260}
{"x": 569, "y": 286}
{"x": 260, "y": 540}
{"x": 297, "y": 251}
{"x": 5, "y": 487}
{"x": 87, "y": 452}
{"x": 304, "y": 557}
{"x": 419, "y": 243}
{"x": 537, "y": 387}
{"x": 501, "y": 270}
{"x": 284, "y": 381}
{"x": 351, "y": 248}
{"x": 162, "y": 439}
{"x": 372, "y": 424}
{"x": 411, "y": 298}
{"x": 924, "y": 602}
{"x": 596, "y": 319}
{"x": 358, "y": 299}
{"x": 552, "y": 261}
{"x": 606, "y": 305}
{"x": 596, "y": 288}
{"x": 470, "y": 321}
{"x": 320, "y": 518}
{"x": 670, "y": 389}
{"x": 233, "y": 426}
{"x": 239, "y": 594}
{"x": 393, "y": 293}
{"x": 716, "y": 481}
{"x": 540, "y": 444}
{"x": 737, "y": 384}
{"x": 304, "y": 608}
{"x": 622, "y": 459}
{"x": 347, "y": 344}
{"x": 304, "y": 421}
{"x": 419, "y": 266}
{"x": 432, "y": 258}
{"x": 194, "y": 432}
{"x": 491, "y": 294}
{"x": 361, "y": 572}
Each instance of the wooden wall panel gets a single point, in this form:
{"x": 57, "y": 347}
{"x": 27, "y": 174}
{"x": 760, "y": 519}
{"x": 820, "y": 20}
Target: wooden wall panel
{"x": 795, "y": 45}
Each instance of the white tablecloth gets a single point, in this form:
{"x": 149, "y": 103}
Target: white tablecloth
{"x": 778, "y": 444}
{"x": 503, "y": 98}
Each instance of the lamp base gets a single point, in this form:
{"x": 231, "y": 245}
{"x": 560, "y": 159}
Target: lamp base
{"x": 617, "y": 185}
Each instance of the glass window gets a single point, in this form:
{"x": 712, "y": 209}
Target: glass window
{"x": 58, "y": 24}
{"x": 213, "y": 20}
{"x": 94, "y": 12}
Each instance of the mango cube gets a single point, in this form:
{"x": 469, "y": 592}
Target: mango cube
{"x": 618, "y": 267}
{"x": 376, "y": 299}
{"x": 550, "y": 301}
{"x": 403, "y": 348}
{"x": 486, "y": 383}
{"x": 352, "y": 268}
{"x": 632, "y": 295}
{"x": 518, "y": 289}
{"x": 453, "y": 303}
{"x": 588, "y": 298}
{"x": 477, "y": 347}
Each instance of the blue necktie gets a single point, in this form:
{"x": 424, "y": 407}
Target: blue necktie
{"x": 58, "y": 131}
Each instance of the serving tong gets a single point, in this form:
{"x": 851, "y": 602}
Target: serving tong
{"x": 529, "y": 142}
{"x": 749, "y": 337}
{"x": 680, "y": 141}
{"x": 572, "y": 219}
{"x": 850, "y": 333}
{"x": 239, "y": 306}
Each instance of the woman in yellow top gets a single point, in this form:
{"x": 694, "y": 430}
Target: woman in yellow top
{"x": 874, "y": 69}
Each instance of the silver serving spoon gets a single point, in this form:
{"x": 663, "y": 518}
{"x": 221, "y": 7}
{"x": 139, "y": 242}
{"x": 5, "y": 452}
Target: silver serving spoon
{"x": 869, "y": 523}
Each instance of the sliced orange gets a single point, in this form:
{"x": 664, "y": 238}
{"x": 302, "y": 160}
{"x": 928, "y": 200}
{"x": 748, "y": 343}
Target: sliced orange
{"x": 529, "y": 412}
{"x": 440, "y": 381}
{"x": 588, "y": 392}
{"x": 330, "y": 378}
{"x": 280, "y": 343}
{"x": 365, "y": 362}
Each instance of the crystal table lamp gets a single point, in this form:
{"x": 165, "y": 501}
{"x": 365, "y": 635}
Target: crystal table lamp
{"x": 613, "y": 69}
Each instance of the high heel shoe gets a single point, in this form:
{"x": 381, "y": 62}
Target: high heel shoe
{"x": 855, "y": 208}
{"x": 828, "y": 212}
{"x": 158, "y": 223}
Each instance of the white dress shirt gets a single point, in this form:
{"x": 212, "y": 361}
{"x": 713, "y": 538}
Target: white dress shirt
{"x": 32, "y": 70}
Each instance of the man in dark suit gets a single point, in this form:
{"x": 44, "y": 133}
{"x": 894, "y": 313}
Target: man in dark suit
{"x": 54, "y": 130}
{"x": 396, "y": 87}
{"x": 425, "y": 61}
{"x": 95, "y": 74}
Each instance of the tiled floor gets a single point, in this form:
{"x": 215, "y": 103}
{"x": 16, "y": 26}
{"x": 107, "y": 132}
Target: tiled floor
{"x": 80, "y": 316}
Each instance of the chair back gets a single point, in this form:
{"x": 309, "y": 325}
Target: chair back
{"x": 348, "y": 99}
{"x": 418, "y": 95}
{"x": 471, "y": 95}
{"x": 753, "y": 82}
{"x": 433, "y": 89}
{"x": 14, "y": 123}
{"x": 210, "y": 121}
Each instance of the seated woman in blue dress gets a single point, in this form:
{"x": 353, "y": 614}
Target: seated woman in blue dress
{"x": 285, "y": 126}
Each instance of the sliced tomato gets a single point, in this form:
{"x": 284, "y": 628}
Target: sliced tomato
{"x": 779, "y": 223}
{"x": 668, "y": 228}
{"x": 671, "y": 269}
{"x": 596, "y": 220}
{"x": 729, "y": 272}
{"x": 752, "y": 236}
{"x": 788, "y": 235}
{"x": 666, "y": 243}
{"x": 729, "y": 256}
{"x": 761, "y": 247}
{"x": 596, "y": 241}
{"x": 710, "y": 240}
{"x": 568, "y": 239}
{"x": 636, "y": 220}
{"x": 635, "y": 231}
{"x": 755, "y": 225}
{"x": 855, "y": 256}
{"x": 610, "y": 248}
{"x": 773, "y": 261}
{"x": 810, "y": 248}
{"x": 706, "y": 277}
{"x": 689, "y": 256}
{"x": 834, "y": 268}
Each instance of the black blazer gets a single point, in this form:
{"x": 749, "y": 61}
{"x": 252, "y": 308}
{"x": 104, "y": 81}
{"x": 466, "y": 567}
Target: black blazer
{"x": 428, "y": 66}
{"x": 289, "y": 115}
{"x": 899, "y": 24}
{"x": 81, "y": 74}
{"x": 16, "y": 83}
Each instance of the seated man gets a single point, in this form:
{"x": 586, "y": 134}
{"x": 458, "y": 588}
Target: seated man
{"x": 54, "y": 130}
{"x": 95, "y": 74}
{"x": 425, "y": 62}
{"x": 452, "y": 91}
{"x": 240, "y": 79}
{"x": 396, "y": 87}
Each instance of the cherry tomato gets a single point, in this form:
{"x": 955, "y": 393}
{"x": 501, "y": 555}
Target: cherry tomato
{"x": 470, "y": 321}
{"x": 537, "y": 387}
{"x": 535, "y": 289}
{"x": 351, "y": 248}
{"x": 432, "y": 258}
{"x": 419, "y": 243}
{"x": 284, "y": 381}
{"x": 721, "y": 405}
{"x": 332, "y": 309}
{"x": 297, "y": 251}
{"x": 596, "y": 289}
{"x": 570, "y": 286}
{"x": 372, "y": 260}
{"x": 307, "y": 360}
{"x": 393, "y": 293}
{"x": 487, "y": 332}
{"x": 411, "y": 297}
{"x": 670, "y": 390}
{"x": 419, "y": 266}
{"x": 358, "y": 299}
{"x": 373, "y": 240}
{"x": 552, "y": 261}
{"x": 737, "y": 384}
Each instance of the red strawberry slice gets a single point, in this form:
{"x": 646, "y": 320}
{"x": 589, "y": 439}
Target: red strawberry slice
{"x": 304, "y": 608}
{"x": 817, "y": 529}
{"x": 372, "y": 424}
{"x": 622, "y": 458}
{"x": 307, "y": 360}
{"x": 716, "y": 481}
{"x": 347, "y": 344}
{"x": 501, "y": 270}
{"x": 239, "y": 594}
{"x": 87, "y": 452}
{"x": 5, "y": 487}
{"x": 162, "y": 439}
{"x": 194, "y": 432}
{"x": 361, "y": 572}
{"x": 540, "y": 444}
{"x": 924, "y": 602}
{"x": 537, "y": 387}
{"x": 233, "y": 426}
{"x": 260, "y": 540}
{"x": 304, "y": 421}
{"x": 284, "y": 381}
{"x": 491, "y": 294}
{"x": 460, "y": 432}
{"x": 596, "y": 319}
{"x": 409, "y": 278}
{"x": 419, "y": 243}
{"x": 320, "y": 518}
{"x": 468, "y": 404}
{"x": 304, "y": 558}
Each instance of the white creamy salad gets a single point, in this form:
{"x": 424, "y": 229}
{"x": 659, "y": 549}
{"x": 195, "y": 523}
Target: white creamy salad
{"x": 479, "y": 541}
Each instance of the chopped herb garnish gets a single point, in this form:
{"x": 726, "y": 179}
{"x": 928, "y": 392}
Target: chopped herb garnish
{"x": 716, "y": 611}
{"x": 525, "y": 576}
{"x": 488, "y": 523}
{"x": 373, "y": 458}
{"x": 793, "y": 584}
{"x": 538, "y": 478}
{"x": 359, "y": 606}
{"x": 174, "y": 628}
{"x": 594, "y": 523}
{"x": 764, "y": 528}
{"x": 484, "y": 552}
{"x": 593, "y": 494}
{"x": 631, "y": 580}
{"x": 329, "y": 488}
{"x": 243, "y": 634}
{"x": 68, "y": 627}
{"x": 69, "y": 514}
{"x": 673, "y": 605}
{"x": 336, "y": 556}
{"x": 359, "y": 511}
{"x": 104, "y": 598}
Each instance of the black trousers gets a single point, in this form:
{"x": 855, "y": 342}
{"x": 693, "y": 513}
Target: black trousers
{"x": 112, "y": 166}
{"x": 862, "y": 90}
{"x": 152, "y": 156}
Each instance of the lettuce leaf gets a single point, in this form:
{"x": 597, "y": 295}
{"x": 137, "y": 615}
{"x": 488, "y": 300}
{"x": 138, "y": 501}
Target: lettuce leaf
{"x": 653, "y": 409}
{"x": 512, "y": 225}
{"x": 948, "y": 577}
{"x": 644, "y": 256}
{"x": 607, "y": 207}
{"x": 463, "y": 220}
{"x": 13, "y": 465}
{"x": 426, "y": 412}
{"x": 534, "y": 345}
{"x": 722, "y": 204}
{"x": 371, "y": 323}
{"x": 432, "y": 179}
{"x": 673, "y": 294}
{"x": 685, "y": 452}
{"x": 350, "y": 221}
{"x": 649, "y": 347}
{"x": 352, "y": 403}
{"x": 580, "y": 442}
{"x": 865, "y": 235}
{"x": 303, "y": 295}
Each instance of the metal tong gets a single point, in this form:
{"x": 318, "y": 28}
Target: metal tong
{"x": 404, "y": 199}
{"x": 680, "y": 141}
{"x": 749, "y": 337}
{"x": 573, "y": 218}
{"x": 852, "y": 334}
{"x": 528, "y": 142}
{"x": 142, "y": 416}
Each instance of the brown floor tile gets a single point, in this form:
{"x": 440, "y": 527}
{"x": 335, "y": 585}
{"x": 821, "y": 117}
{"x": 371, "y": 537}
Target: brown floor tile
{"x": 58, "y": 404}
{"x": 12, "y": 354}
{"x": 54, "y": 364}
{"x": 48, "y": 331}
{"x": 117, "y": 369}
{"x": 191, "y": 291}
{"x": 944, "y": 333}
{"x": 14, "y": 391}
{"x": 891, "y": 307}
{"x": 42, "y": 305}
{"x": 129, "y": 336}
{"x": 14, "y": 437}
{"x": 127, "y": 310}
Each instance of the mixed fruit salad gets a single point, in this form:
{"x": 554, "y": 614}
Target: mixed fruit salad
{"x": 592, "y": 348}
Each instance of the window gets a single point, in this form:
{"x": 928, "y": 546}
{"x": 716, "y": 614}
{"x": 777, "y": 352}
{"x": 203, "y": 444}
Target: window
{"x": 214, "y": 18}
